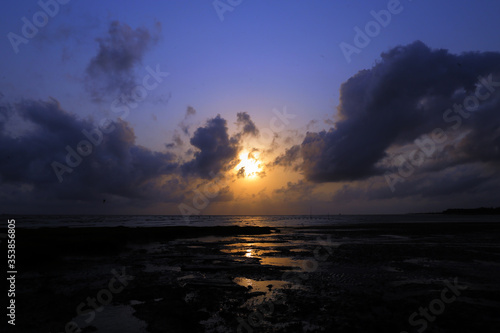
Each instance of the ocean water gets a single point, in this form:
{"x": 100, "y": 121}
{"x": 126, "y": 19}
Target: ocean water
{"x": 80, "y": 221}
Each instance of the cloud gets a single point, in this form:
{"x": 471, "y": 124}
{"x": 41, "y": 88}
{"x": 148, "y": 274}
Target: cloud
{"x": 111, "y": 165}
{"x": 400, "y": 99}
{"x": 6, "y": 112}
{"x": 216, "y": 150}
{"x": 243, "y": 120}
{"x": 190, "y": 111}
{"x": 184, "y": 125}
{"x": 466, "y": 185}
{"x": 241, "y": 173}
{"x": 111, "y": 71}
{"x": 301, "y": 190}
{"x": 289, "y": 158}
{"x": 116, "y": 166}
{"x": 177, "y": 142}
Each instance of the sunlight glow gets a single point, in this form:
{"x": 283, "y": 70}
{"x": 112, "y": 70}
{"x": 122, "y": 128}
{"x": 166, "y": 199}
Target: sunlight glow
{"x": 249, "y": 166}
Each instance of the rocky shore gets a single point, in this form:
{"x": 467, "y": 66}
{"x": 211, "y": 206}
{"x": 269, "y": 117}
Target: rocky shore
{"x": 432, "y": 277}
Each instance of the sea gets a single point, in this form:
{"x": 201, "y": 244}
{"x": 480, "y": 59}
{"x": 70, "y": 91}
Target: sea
{"x": 278, "y": 221}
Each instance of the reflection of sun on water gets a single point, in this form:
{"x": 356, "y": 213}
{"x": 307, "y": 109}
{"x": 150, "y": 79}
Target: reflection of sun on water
{"x": 249, "y": 166}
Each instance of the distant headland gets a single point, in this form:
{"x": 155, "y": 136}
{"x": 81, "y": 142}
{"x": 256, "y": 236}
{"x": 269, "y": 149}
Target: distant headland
{"x": 472, "y": 211}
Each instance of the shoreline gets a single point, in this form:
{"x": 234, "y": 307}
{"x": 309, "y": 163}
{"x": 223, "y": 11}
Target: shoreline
{"x": 371, "y": 277}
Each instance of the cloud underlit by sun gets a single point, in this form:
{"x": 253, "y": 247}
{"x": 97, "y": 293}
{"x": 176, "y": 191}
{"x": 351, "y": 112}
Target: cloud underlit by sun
{"x": 249, "y": 166}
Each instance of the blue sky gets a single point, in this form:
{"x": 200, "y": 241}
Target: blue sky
{"x": 264, "y": 55}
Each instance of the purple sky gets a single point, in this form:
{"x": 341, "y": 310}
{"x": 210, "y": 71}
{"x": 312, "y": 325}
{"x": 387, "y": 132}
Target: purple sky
{"x": 189, "y": 93}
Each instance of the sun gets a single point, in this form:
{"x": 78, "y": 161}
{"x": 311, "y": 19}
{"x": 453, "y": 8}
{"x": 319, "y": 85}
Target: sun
{"x": 249, "y": 166}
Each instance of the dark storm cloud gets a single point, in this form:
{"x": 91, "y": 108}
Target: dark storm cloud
{"x": 243, "y": 119}
{"x": 394, "y": 103}
{"x": 6, "y": 112}
{"x": 111, "y": 71}
{"x": 289, "y": 158}
{"x": 216, "y": 150}
{"x": 36, "y": 148}
{"x": 44, "y": 164}
{"x": 116, "y": 165}
{"x": 482, "y": 143}
{"x": 301, "y": 189}
{"x": 460, "y": 186}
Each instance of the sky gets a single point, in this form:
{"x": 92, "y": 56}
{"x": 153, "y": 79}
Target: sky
{"x": 249, "y": 107}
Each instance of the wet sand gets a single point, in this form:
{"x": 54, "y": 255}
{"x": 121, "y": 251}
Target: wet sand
{"x": 365, "y": 278}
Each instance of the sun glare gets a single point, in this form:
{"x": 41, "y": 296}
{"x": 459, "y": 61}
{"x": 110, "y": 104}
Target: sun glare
{"x": 249, "y": 166}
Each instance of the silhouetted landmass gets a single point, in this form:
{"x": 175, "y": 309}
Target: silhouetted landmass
{"x": 473, "y": 211}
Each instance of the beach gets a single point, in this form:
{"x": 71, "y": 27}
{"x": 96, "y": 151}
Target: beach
{"x": 250, "y": 166}
{"x": 372, "y": 277}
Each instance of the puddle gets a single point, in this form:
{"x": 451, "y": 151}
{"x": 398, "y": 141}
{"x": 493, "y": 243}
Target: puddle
{"x": 249, "y": 252}
{"x": 262, "y": 286}
{"x": 289, "y": 262}
{"x": 258, "y": 244}
{"x": 270, "y": 288}
{"x": 255, "y": 238}
{"x": 299, "y": 251}
{"x": 252, "y": 251}
{"x": 114, "y": 319}
{"x": 212, "y": 239}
